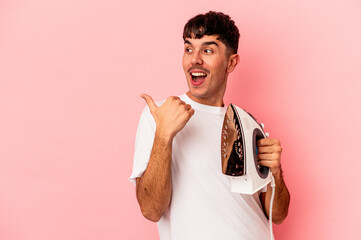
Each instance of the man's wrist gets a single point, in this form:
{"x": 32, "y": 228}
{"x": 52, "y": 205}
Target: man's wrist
{"x": 163, "y": 137}
{"x": 277, "y": 173}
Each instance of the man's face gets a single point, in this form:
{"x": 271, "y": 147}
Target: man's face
{"x": 206, "y": 67}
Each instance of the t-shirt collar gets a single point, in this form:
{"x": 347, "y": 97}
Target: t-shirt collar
{"x": 203, "y": 107}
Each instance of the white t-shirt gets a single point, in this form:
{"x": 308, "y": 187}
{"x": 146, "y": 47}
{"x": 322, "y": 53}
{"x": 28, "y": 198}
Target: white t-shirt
{"x": 202, "y": 205}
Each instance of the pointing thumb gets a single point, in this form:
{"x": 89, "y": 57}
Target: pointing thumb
{"x": 152, "y": 106}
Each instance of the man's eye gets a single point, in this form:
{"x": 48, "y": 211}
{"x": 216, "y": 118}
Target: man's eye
{"x": 188, "y": 50}
{"x": 208, "y": 51}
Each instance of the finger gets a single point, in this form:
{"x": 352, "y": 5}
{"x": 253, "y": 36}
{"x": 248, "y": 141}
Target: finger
{"x": 266, "y": 156}
{"x": 191, "y": 112}
{"x": 266, "y": 163}
{"x": 150, "y": 102}
{"x": 188, "y": 107}
{"x": 275, "y": 150}
{"x": 267, "y": 149}
{"x": 270, "y": 149}
{"x": 267, "y": 142}
{"x": 174, "y": 98}
{"x": 271, "y": 164}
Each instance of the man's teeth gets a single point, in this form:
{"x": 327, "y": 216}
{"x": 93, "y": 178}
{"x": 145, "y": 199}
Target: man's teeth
{"x": 198, "y": 74}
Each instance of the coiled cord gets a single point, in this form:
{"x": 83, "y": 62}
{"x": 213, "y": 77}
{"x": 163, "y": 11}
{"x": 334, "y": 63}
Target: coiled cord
{"x": 273, "y": 185}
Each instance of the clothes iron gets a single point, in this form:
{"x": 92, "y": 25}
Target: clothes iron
{"x": 240, "y": 133}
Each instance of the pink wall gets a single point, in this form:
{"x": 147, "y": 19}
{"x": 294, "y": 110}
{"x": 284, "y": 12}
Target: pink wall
{"x": 71, "y": 73}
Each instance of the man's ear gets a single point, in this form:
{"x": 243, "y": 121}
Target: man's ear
{"x": 232, "y": 62}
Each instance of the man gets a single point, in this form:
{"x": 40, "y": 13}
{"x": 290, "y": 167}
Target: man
{"x": 177, "y": 167}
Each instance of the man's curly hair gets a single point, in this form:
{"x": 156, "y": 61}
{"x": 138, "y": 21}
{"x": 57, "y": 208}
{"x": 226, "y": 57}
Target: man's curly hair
{"x": 214, "y": 23}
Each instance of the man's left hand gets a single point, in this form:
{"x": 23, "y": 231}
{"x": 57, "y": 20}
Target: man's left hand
{"x": 269, "y": 154}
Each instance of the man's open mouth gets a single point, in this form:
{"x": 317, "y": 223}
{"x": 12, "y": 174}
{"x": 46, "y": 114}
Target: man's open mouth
{"x": 198, "y": 77}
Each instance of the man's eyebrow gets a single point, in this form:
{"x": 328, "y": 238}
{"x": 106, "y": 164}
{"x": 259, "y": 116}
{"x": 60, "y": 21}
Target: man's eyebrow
{"x": 209, "y": 43}
{"x": 203, "y": 44}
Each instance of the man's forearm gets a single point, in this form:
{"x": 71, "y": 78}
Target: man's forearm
{"x": 154, "y": 187}
{"x": 281, "y": 200}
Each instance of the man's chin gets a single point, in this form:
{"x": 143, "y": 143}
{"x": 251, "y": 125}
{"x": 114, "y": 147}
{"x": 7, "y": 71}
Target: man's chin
{"x": 194, "y": 94}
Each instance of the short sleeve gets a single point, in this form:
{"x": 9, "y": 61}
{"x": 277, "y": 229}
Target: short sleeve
{"x": 143, "y": 144}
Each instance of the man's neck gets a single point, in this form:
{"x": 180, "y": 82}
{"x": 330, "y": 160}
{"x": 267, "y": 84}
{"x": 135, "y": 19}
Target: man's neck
{"x": 218, "y": 102}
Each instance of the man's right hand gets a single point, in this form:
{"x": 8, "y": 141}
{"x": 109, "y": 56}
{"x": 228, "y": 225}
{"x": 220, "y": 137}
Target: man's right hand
{"x": 171, "y": 116}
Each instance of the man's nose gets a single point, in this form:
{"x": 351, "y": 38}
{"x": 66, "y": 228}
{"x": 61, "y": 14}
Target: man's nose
{"x": 197, "y": 58}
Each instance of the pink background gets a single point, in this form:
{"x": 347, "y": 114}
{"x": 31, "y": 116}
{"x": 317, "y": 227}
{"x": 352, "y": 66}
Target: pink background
{"x": 71, "y": 73}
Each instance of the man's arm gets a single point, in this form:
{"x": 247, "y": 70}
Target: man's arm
{"x": 154, "y": 187}
{"x": 269, "y": 155}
